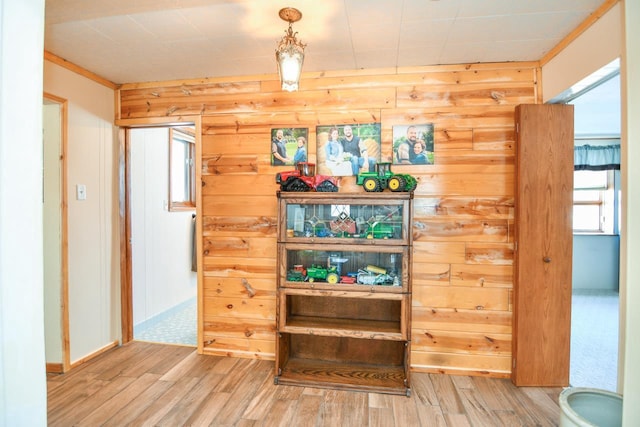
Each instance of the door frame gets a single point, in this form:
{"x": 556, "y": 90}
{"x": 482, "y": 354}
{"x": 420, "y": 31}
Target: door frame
{"x": 64, "y": 238}
{"x": 124, "y": 195}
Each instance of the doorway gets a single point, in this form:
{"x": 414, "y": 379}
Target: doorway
{"x": 54, "y": 202}
{"x": 596, "y": 240}
{"x": 160, "y": 286}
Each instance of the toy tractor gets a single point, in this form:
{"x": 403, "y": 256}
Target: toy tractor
{"x": 382, "y": 178}
{"x": 317, "y": 272}
{"x": 304, "y": 178}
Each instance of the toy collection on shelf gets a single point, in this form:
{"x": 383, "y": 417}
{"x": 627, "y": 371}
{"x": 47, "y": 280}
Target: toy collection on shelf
{"x": 370, "y": 222}
{"x": 344, "y": 224}
{"x": 304, "y": 178}
{"x": 332, "y": 273}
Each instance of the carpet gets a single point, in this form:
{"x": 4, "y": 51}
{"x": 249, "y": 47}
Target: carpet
{"x": 594, "y": 339}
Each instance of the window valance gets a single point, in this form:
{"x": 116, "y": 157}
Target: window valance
{"x": 596, "y": 157}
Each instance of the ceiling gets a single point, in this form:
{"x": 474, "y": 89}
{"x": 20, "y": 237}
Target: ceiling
{"x": 129, "y": 41}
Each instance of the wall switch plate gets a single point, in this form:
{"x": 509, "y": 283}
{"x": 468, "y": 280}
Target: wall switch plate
{"x": 81, "y": 192}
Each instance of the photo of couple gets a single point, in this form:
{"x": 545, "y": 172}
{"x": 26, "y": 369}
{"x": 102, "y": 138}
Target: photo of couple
{"x": 413, "y": 145}
{"x": 347, "y": 150}
{"x": 289, "y": 146}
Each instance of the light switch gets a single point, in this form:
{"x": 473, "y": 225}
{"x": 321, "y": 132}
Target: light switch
{"x": 81, "y": 192}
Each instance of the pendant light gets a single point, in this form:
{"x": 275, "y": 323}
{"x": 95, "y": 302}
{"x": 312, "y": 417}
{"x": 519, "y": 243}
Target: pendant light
{"x": 290, "y": 52}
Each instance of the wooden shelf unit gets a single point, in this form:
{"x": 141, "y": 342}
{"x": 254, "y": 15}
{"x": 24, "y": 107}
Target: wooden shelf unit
{"x": 353, "y": 336}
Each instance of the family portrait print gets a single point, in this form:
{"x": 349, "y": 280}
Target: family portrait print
{"x": 413, "y": 144}
{"x": 289, "y": 146}
{"x": 346, "y": 150}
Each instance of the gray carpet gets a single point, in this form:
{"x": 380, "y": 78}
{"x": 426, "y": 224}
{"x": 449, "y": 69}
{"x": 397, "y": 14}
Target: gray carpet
{"x": 594, "y": 339}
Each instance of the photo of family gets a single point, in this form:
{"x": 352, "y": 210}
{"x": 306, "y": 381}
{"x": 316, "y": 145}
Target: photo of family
{"x": 289, "y": 146}
{"x": 347, "y": 150}
{"x": 413, "y": 144}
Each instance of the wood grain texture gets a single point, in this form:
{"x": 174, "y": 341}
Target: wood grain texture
{"x": 542, "y": 297}
{"x": 176, "y": 386}
{"x": 464, "y": 214}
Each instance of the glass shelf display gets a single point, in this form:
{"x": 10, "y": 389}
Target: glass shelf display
{"x": 311, "y": 219}
{"x": 344, "y": 291}
{"x": 345, "y": 265}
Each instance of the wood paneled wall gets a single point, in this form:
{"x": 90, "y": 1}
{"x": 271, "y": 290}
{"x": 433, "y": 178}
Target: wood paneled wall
{"x": 464, "y": 204}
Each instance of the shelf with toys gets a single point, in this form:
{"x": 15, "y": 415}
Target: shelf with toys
{"x": 344, "y": 290}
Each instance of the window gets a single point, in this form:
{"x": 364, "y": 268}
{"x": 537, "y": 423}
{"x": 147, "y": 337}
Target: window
{"x": 182, "y": 188}
{"x": 593, "y": 201}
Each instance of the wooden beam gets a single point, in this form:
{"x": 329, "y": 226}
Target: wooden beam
{"x": 48, "y": 56}
{"x": 586, "y": 24}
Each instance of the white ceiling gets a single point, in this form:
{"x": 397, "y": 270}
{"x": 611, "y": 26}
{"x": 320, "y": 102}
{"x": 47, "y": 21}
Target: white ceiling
{"x": 129, "y": 41}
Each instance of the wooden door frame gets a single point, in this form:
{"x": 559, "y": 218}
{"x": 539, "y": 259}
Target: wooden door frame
{"x": 124, "y": 194}
{"x": 64, "y": 238}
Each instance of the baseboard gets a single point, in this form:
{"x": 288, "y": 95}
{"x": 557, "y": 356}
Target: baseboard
{"x": 55, "y": 368}
{"x": 95, "y": 354}
{"x": 466, "y": 372}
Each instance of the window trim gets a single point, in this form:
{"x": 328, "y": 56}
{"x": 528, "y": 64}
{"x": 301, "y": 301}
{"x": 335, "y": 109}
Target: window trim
{"x": 186, "y": 134}
{"x": 602, "y": 206}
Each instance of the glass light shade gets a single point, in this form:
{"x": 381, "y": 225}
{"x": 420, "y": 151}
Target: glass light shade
{"x": 290, "y": 53}
{"x": 290, "y": 61}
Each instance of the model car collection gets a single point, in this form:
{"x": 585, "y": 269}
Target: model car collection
{"x": 368, "y": 275}
{"x": 304, "y": 178}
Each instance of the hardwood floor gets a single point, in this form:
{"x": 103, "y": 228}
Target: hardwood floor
{"x": 145, "y": 384}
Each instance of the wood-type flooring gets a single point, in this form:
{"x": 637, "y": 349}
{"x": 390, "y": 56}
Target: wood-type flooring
{"x": 147, "y": 384}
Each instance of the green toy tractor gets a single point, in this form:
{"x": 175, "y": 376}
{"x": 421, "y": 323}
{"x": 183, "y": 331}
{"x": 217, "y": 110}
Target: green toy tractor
{"x": 383, "y": 178}
{"x": 317, "y": 272}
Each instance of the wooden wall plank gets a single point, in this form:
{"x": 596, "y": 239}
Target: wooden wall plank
{"x": 238, "y": 287}
{"x": 260, "y": 329}
{"x": 232, "y": 226}
{"x": 240, "y": 308}
{"x": 467, "y": 364}
{"x": 462, "y": 342}
{"x": 467, "y": 230}
{"x": 453, "y": 208}
{"x": 250, "y": 183}
{"x": 496, "y": 253}
{"x": 247, "y": 205}
{"x": 482, "y": 275}
{"x": 439, "y": 252}
{"x": 470, "y": 298}
{"x": 259, "y": 102}
{"x": 239, "y": 246}
{"x": 240, "y": 347}
{"x": 453, "y": 139}
{"x": 424, "y": 274}
{"x": 463, "y": 205}
{"x": 239, "y": 267}
{"x": 471, "y": 94}
{"x": 461, "y": 320}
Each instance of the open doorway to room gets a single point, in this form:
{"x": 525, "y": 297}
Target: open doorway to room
{"x": 596, "y": 239}
{"x": 162, "y": 207}
{"x": 54, "y": 207}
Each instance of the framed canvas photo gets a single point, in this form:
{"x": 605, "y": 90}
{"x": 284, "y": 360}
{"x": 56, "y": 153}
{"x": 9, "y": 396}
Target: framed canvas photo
{"x": 345, "y": 150}
{"x": 413, "y": 144}
{"x": 289, "y": 146}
